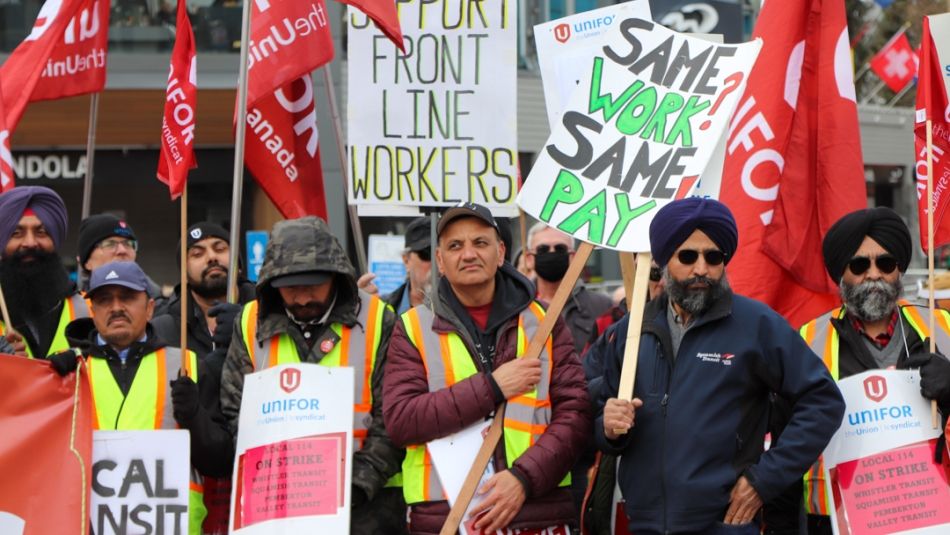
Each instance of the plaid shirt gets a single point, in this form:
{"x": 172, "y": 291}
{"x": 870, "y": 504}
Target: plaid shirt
{"x": 880, "y": 340}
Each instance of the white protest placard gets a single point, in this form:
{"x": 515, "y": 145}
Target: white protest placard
{"x": 637, "y": 134}
{"x": 438, "y": 123}
{"x": 566, "y": 45}
{"x": 293, "y": 464}
{"x": 879, "y": 466}
{"x": 453, "y": 456}
{"x": 140, "y": 482}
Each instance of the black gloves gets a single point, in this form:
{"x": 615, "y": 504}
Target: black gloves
{"x": 184, "y": 399}
{"x": 65, "y": 362}
{"x": 934, "y": 374}
{"x": 224, "y": 313}
{"x": 359, "y": 497}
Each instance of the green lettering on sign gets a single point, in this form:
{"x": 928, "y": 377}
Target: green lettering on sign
{"x": 627, "y": 214}
{"x": 567, "y": 189}
{"x": 593, "y": 213}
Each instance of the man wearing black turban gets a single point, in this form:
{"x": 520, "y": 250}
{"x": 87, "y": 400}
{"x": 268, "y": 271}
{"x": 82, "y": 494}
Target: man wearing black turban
{"x": 38, "y": 292}
{"x": 708, "y": 359}
{"x": 865, "y": 253}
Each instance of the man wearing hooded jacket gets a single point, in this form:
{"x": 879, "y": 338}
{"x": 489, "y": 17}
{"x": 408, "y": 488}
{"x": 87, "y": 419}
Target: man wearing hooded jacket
{"x": 307, "y": 300}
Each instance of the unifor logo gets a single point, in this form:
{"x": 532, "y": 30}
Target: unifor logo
{"x": 289, "y": 379}
{"x": 875, "y": 388}
{"x": 562, "y": 32}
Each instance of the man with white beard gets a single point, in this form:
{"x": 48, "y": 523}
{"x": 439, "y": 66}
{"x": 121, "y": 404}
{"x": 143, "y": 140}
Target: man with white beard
{"x": 866, "y": 252}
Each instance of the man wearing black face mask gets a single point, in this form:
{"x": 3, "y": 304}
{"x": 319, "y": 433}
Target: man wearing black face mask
{"x": 549, "y": 253}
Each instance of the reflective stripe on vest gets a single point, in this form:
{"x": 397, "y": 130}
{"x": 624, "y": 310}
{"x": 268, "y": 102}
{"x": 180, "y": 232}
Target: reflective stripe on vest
{"x": 366, "y": 334}
{"x": 822, "y": 338}
{"x": 74, "y": 307}
{"x": 447, "y": 361}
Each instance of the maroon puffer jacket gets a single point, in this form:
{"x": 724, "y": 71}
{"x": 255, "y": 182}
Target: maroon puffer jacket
{"x": 413, "y": 415}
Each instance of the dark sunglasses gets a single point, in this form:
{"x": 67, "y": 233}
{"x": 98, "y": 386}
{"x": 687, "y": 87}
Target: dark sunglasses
{"x": 656, "y": 274}
{"x": 885, "y": 263}
{"x": 713, "y": 257}
{"x": 424, "y": 254}
{"x": 545, "y": 249}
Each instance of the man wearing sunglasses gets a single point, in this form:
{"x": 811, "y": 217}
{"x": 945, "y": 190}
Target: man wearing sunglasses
{"x": 417, "y": 257}
{"x": 866, "y": 253}
{"x": 691, "y": 441}
{"x": 104, "y": 238}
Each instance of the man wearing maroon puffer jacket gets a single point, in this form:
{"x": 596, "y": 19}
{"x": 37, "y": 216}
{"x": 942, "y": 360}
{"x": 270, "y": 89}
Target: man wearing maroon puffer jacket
{"x": 452, "y": 361}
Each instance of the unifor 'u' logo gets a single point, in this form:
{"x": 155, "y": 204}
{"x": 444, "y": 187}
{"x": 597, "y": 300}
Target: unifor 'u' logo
{"x": 562, "y": 32}
{"x": 289, "y": 379}
{"x": 875, "y": 388}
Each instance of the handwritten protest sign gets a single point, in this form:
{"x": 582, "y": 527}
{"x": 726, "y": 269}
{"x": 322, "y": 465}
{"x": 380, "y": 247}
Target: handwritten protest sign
{"x": 295, "y": 444}
{"x": 637, "y": 133}
{"x": 140, "y": 482}
{"x": 438, "y": 123}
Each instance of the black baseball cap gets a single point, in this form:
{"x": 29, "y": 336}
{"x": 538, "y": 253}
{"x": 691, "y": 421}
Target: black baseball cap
{"x": 467, "y": 209}
{"x": 418, "y": 234}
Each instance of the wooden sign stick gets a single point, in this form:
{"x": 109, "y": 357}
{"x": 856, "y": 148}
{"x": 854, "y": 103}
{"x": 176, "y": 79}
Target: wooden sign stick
{"x": 465, "y": 496}
{"x": 628, "y": 269}
{"x": 631, "y": 352}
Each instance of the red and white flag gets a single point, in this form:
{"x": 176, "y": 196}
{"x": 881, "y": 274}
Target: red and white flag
{"x": 895, "y": 64}
{"x": 289, "y": 38}
{"x": 282, "y": 149}
{"x": 77, "y": 64}
{"x": 7, "y": 175}
{"x": 932, "y": 105}
{"x": 181, "y": 103}
{"x": 385, "y": 15}
{"x": 793, "y": 164}
{"x": 22, "y": 70}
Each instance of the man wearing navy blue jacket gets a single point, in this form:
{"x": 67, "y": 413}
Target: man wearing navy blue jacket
{"x": 691, "y": 441}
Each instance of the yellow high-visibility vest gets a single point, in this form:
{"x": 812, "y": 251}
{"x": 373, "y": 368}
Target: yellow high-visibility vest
{"x": 74, "y": 307}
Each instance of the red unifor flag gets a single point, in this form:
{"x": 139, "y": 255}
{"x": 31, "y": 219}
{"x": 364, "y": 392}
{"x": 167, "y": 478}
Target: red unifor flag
{"x": 793, "y": 165}
{"x": 77, "y": 64}
{"x": 384, "y": 14}
{"x": 22, "y": 70}
{"x": 932, "y": 105}
{"x": 181, "y": 101}
{"x": 895, "y": 64}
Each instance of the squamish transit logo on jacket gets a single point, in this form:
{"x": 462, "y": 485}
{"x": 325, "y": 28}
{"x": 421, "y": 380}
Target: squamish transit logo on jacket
{"x": 719, "y": 358}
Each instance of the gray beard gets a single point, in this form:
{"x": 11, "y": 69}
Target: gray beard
{"x": 871, "y": 300}
{"x": 695, "y": 302}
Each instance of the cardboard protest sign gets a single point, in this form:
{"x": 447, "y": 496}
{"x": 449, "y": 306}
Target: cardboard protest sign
{"x": 880, "y": 467}
{"x": 140, "y": 482}
{"x": 565, "y": 47}
{"x": 293, "y": 468}
{"x": 636, "y": 134}
{"x": 438, "y": 123}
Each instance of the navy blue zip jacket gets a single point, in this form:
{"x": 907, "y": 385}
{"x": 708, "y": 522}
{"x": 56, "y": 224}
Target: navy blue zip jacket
{"x": 705, "y": 413}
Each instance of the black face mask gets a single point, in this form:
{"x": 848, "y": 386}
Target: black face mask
{"x": 552, "y": 265}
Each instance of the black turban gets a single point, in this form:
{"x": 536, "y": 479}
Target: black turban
{"x": 881, "y": 224}
{"x": 45, "y": 203}
{"x": 674, "y": 223}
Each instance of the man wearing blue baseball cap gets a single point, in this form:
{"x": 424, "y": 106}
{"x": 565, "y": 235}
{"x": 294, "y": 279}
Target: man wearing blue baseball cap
{"x": 708, "y": 360}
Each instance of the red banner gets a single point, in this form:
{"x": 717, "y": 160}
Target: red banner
{"x": 282, "y": 151}
{"x": 46, "y": 425}
{"x": 77, "y": 64}
{"x": 22, "y": 70}
{"x": 288, "y": 40}
{"x": 895, "y": 64}
{"x": 385, "y": 15}
{"x": 7, "y": 176}
{"x": 793, "y": 164}
{"x": 181, "y": 102}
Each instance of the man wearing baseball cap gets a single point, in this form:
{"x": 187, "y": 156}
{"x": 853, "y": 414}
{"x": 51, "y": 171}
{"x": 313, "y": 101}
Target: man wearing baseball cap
{"x": 105, "y": 238}
{"x": 128, "y": 366}
{"x": 417, "y": 257}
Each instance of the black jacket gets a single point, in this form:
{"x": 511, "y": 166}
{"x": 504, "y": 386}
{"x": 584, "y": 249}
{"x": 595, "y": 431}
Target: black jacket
{"x": 168, "y": 325}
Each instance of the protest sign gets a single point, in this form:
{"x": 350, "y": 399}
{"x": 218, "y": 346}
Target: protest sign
{"x": 637, "y": 133}
{"x": 140, "y": 482}
{"x": 435, "y": 124}
{"x": 880, "y": 465}
{"x": 293, "y": 467}
{"x": 565, "y": 47}
{"x": 385, "y": 260}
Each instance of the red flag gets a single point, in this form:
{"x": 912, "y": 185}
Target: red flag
{"x": 793, "y": 164}
{"x": 77, "y": 64}
{"x": 932, "y": 105}
{"x": 282, "y": 151}
{"x": 22, "y": 70}
{"x": 895, "y": 64}
{"x": 385, "y": 15}
{"x": 288, "y": 40}
{"x": 46, "y": 451}
{"x": 181, "y": 101}
{"x": 7, "y": 177}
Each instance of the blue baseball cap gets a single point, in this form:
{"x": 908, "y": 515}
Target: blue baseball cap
{"x": 127, "y": 274}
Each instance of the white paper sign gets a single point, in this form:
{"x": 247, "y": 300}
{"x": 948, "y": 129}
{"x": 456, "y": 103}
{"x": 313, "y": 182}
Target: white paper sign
{"x": 140, "y": 482}
{"x": 637, "y": 134}
{"x": 293, "y": 467}
{"x": 453, "y": 456}
{"x": 438, "y": 123}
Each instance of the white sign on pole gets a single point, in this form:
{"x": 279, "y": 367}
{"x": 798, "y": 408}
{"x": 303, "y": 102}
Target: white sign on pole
{"x": 292, "y": 471}
{"x": 140, "y": 482}
{"x": 437, "y": 123}
{"x": 637, "y": 133}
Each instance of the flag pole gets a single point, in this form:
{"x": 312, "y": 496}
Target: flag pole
{"x": 183, "y": 295}
{"x": 930, "y": 254}
{"x": 239, "y": 133}
{"x": 7, "y": 322}
{"x": 344, "y": 170}
{"x": 90, "y": 154}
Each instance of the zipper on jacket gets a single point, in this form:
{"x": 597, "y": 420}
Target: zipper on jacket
{"x": 663, "y": 404}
